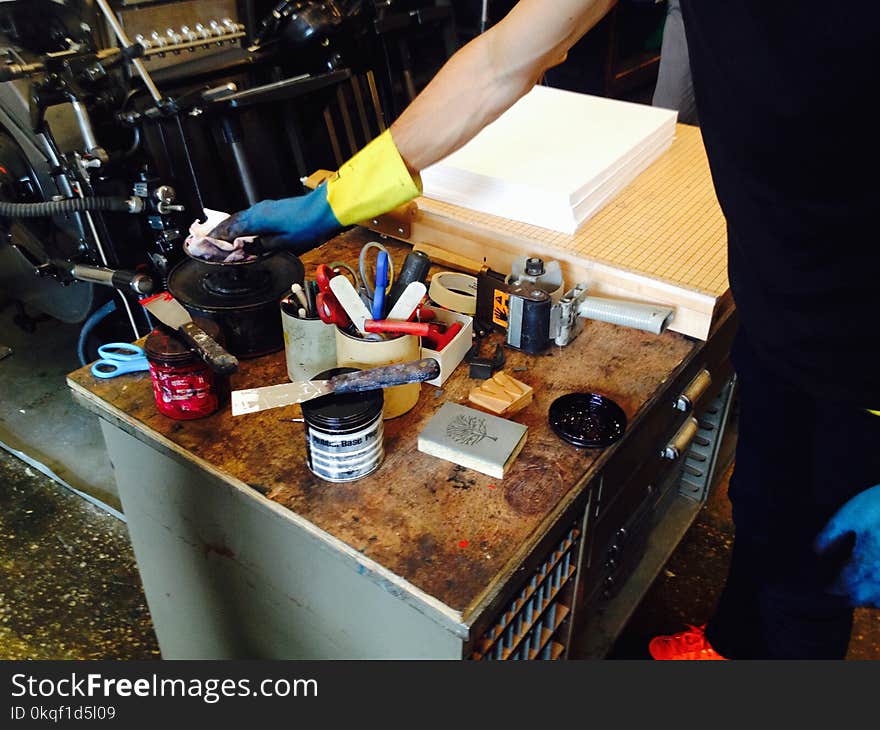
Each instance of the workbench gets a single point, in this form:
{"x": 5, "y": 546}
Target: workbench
{"x": 244, "y": 553}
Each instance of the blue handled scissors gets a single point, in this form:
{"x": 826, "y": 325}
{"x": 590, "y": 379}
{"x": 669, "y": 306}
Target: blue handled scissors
{"x": 118, "y": 358}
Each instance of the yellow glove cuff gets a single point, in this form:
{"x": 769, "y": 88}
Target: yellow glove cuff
{"x": 876, "y": 413}
{"x": 372, "y": 182}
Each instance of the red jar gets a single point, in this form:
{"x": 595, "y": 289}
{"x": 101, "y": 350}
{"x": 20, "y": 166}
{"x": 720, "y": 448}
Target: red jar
{"x": 185, "y": 388}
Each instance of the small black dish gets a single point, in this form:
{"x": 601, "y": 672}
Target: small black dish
{"x": 588, "y": 420}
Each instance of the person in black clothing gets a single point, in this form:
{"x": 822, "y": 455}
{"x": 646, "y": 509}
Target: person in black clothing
{"x": 781, "y": 90}
{"x": 675, "y": 88}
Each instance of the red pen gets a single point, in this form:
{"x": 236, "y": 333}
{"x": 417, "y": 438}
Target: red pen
{"x": 436, "y": 336}
{"x": 397, "y": 326}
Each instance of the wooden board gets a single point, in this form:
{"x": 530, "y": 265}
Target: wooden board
{"x": 663, "y": 239}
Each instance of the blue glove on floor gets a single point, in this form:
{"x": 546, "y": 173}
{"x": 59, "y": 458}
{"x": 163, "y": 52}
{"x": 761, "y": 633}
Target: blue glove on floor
{"x": 859, "y": 518}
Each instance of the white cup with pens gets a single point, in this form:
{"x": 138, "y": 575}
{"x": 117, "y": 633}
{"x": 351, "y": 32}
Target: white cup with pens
{"x": 309, "y": 342}
{"x": 339, "y": 302}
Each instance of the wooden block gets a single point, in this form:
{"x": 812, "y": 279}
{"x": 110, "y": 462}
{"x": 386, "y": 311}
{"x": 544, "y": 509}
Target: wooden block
{"x": 502, "y": 394}
{"x": 450, "y": 259}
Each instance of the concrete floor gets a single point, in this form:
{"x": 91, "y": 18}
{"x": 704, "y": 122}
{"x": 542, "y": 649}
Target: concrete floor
{"x": 69, "y": 586}
{"x": 37, "y": 413}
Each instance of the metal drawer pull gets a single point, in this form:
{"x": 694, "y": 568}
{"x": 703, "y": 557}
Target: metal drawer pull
{"x": 680, "y": 442}
{"x": 699, "y": 385}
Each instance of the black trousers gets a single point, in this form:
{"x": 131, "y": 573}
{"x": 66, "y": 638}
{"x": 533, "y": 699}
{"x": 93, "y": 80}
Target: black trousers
{"x": 798, "y": 459}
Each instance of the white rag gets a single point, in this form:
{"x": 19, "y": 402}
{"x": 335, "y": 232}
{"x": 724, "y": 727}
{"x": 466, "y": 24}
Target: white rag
{"x": 201, "y": 245}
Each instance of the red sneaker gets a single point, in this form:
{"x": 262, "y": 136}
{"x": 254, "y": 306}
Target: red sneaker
{"x": 690, "y": 644}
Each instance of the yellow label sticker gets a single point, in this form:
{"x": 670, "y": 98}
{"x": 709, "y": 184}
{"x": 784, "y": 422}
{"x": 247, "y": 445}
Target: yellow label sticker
{"x": 501, "y": 308}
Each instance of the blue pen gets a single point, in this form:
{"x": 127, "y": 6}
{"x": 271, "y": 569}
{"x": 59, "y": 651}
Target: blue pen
{"x": 378, "y": 309}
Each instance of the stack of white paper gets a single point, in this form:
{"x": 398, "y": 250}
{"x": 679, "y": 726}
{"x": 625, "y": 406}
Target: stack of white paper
{"x": 553, "y": 159}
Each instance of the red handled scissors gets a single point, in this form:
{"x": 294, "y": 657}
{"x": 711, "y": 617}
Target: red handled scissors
{"x": 329, "y": 309}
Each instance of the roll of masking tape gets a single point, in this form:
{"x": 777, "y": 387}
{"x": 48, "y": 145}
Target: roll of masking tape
{"x": 454, "y": 291}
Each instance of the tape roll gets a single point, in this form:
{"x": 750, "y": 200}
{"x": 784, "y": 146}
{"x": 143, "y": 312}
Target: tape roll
{"x": 454, "y": 291}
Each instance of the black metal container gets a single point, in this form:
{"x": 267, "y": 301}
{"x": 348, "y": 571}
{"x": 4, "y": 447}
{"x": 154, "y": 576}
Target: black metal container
{"x": 344, "y": 433}
{"x": 242, "y": 299}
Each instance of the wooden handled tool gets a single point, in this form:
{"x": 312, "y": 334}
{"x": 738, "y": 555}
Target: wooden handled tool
{"x": 171, "y": 313}
{"x": 253, "y": 400}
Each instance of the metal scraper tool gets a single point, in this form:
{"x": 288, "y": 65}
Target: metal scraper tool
{"x": 171, "y": 313}
{"x": 252, "y": 400}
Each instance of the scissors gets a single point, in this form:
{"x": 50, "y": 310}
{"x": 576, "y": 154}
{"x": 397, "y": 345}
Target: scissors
{"x": 366, "y": 278}
{"x": 118, "y": 358}
{"x": 329, "y": 309}
{"x": 340, "y": 267}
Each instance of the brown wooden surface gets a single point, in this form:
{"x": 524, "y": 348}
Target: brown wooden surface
{"x": 449, "y": 531}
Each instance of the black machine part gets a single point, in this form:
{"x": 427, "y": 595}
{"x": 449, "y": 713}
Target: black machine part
{"x": 535, "y": 266}
{"x": 528, "y": 324}
{"x": 482, "y": 368}
{"x": 26, "y": 240}
{"x": 50, "y": 208}
{"x": 135, "y": 281}
{"x": 305, "y": 27}
{"x": 518, "y": 309}
{"x": 66, "y": 271}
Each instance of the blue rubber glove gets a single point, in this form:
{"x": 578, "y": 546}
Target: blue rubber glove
{"x": 296, "y": 224}
{"x": 859, "y": 518}
{"x": 372, "y": 182}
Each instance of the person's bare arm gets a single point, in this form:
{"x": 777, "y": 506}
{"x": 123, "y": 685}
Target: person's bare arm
{"x": 482, "y": 80}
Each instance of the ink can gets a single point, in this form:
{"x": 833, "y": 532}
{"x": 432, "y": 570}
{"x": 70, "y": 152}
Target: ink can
{"x": 184, "y": 387}
{"x": 344, "y": 433}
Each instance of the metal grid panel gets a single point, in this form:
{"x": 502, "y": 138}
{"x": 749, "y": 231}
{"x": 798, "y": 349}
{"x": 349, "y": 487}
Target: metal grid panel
{"x": 702, "y": 456}
{"x": 531, "y": 627}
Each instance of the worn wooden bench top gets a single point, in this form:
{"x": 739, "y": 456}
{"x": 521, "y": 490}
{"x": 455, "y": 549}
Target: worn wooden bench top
{"x": 450, "y": 532}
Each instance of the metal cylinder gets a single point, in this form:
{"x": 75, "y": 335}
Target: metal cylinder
{"x": 648, "y": 317}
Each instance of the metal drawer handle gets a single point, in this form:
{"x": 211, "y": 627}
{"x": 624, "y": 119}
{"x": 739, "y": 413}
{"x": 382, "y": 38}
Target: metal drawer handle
{"x": 699, "y": 385}
{"x": 680, "y": 442}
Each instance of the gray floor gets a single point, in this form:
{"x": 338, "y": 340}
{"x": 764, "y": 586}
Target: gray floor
{"x": 38, "y": 415}
{"x": 69, "y": 586}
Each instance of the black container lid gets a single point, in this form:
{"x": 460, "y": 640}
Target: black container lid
{"x": 345, "y": 411}
{"x": 587, "y": 419}
{"x": 200, "y": 285}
